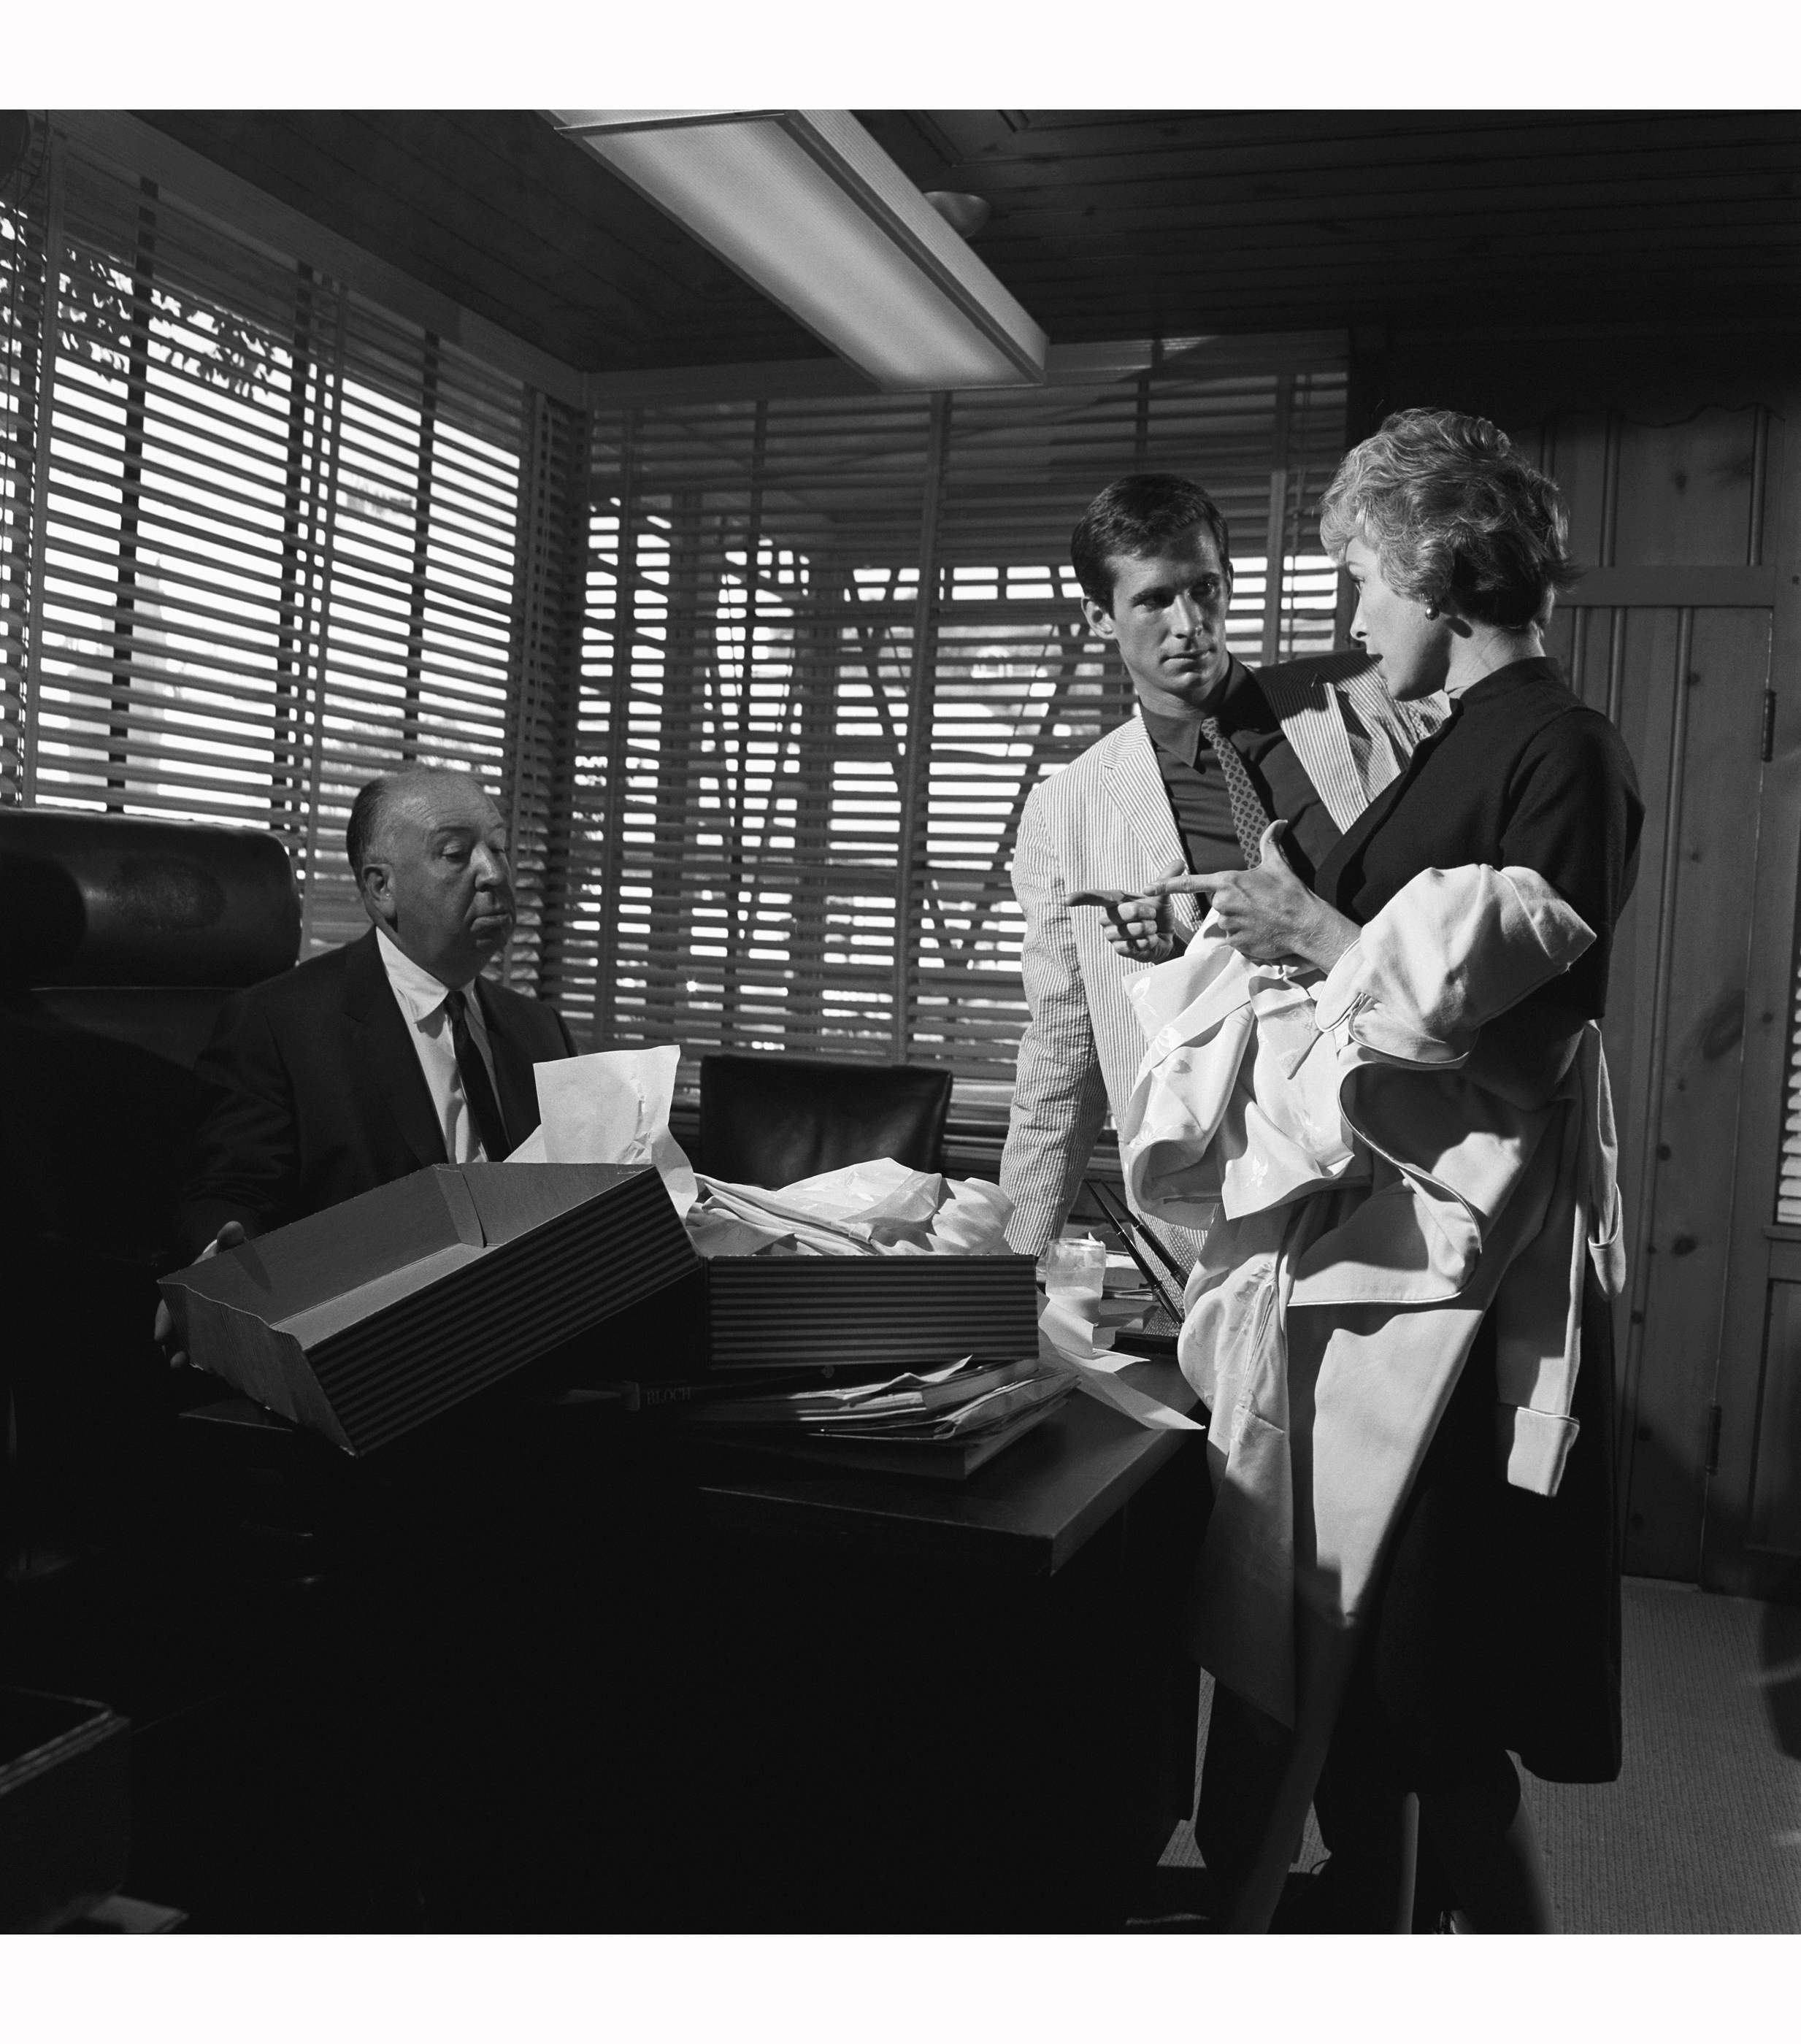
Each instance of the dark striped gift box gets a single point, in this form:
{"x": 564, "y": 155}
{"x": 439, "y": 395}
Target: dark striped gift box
{"x": 799, "y": 1312}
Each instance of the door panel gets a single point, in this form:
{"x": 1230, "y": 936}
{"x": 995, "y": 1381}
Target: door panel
{"x": 1685, "y": 687}
{"x": 1683, "y": 494}
{"x": 1578, "y": 448}
{"x": 1681, "y": 1210}
{"x": 1776, "y": 1495}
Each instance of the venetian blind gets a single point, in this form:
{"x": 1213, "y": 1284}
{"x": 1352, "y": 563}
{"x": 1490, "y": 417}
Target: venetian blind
{"x": 832, "y": 646}
{"x": 753, "y": 646}
{"x": 260, "y": 534}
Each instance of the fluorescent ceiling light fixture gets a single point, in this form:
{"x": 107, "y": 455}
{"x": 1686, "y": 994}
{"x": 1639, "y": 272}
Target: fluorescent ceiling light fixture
{"x": 810, "y": 209}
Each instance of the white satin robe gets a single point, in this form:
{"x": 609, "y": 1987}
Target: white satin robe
{"x": 1363, "y": 1202}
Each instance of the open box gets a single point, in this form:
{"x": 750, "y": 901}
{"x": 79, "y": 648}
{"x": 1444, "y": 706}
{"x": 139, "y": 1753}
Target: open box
{"x": 363, "y": 1321}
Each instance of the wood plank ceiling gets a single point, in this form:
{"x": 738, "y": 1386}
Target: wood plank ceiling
{"x": 1106, "y": 225}
{"x": 505, "y": 216}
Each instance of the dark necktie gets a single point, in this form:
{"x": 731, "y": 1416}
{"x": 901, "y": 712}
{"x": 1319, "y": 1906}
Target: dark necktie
{"x": 1249, "y": 818}
{"x": 477, "y": 1089}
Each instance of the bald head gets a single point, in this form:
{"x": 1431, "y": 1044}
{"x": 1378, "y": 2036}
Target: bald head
{"x": 429, "y": 853}
{"x": 377, "y": 801}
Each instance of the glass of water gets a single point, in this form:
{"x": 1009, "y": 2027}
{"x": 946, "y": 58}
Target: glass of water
{"x": 1074, "y": 1272}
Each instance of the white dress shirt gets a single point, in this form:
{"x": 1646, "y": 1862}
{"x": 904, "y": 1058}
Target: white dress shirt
{"x": 421, "y": 998}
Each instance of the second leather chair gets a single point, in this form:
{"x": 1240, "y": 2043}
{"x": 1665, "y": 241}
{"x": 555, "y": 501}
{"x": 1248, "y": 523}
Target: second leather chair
{"x": 768, "y": 1121}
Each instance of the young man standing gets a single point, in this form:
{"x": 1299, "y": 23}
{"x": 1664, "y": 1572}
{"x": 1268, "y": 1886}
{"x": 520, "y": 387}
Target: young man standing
{"x": 1216, "y": 753}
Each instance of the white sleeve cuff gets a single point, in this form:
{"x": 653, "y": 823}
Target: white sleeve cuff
{"x": 1533, "y": 1446}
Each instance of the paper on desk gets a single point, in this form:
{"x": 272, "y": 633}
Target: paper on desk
{"x": 893, "y": 1207}
{"x": 714, "y": 1233}
{"x": 877, "y": 1207}
{"x": 973, "y": 1220}
{"x": 1065, "y": 1341}
{"x": 755, "y": 1207}
{"x": 876, "y": 1191}
{"x": 611, "y": 1107}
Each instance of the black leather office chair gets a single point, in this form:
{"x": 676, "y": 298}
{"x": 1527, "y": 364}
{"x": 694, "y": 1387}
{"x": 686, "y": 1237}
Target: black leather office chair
{"x": 768, "y": 1120}
{"x": 120, "y": 938}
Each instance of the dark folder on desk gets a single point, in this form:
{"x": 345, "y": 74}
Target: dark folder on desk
{"x": 939, "y": 1462}
{"x": 365, "y": 1320}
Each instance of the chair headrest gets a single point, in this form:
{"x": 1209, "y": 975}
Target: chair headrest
{"x": 97, "y": 901}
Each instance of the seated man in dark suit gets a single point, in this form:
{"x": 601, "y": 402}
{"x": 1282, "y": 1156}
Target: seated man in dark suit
{"x": 390, "y": 1054}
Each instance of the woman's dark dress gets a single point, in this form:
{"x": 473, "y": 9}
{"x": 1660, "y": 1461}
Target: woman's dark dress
{"x": 1497, "y": 1624}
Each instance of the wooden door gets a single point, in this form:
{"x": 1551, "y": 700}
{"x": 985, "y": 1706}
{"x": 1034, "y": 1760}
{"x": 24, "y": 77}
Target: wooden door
{"x": 1670, "y": 634}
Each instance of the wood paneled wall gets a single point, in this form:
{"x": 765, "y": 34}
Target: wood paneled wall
{"x": 1687, "y": 633}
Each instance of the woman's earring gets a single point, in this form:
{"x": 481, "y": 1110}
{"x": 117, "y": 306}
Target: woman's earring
{"x": 1431, "y": 610}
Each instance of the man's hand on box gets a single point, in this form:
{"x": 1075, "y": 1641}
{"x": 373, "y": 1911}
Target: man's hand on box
{"x": 230, "y": 1236}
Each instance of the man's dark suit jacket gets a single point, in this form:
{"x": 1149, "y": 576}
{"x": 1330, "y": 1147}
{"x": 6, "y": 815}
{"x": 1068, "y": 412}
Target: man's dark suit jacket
{"x": 316, "y": 1092}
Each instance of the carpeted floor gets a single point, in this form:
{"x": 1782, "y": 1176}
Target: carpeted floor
{"x": 1702, "y": 1830}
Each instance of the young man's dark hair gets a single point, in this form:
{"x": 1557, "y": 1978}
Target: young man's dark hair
{"x": 1136, "y": 516}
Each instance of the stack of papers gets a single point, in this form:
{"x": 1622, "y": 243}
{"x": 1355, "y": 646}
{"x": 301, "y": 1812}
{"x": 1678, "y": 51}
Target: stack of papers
{"x": 941, "y": 1422}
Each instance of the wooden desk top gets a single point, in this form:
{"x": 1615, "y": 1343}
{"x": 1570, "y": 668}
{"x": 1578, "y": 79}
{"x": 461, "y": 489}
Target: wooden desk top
{"x": 1027, "y": 1513}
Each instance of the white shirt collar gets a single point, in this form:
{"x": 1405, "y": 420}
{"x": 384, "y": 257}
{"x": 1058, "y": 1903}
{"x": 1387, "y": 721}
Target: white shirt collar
{"x": 421, "y": 993}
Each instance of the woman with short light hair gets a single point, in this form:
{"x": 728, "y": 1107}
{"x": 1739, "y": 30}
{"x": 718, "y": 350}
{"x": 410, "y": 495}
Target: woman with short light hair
{"x": 1489, "y": 1621}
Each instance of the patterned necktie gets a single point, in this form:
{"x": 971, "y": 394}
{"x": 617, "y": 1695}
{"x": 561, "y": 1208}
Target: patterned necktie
{"x": 1249, "y": 818}
{"x": 477, "y": 1088}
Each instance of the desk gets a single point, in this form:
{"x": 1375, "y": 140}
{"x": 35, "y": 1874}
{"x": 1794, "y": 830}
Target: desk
{"x": 937, "y": 1707}
{"x": 580, "y": 1675}
{"x": 1027, "y": 1512}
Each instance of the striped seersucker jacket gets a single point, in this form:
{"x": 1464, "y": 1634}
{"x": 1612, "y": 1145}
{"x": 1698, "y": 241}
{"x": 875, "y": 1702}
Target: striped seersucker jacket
{"x": 1104, "y": 821}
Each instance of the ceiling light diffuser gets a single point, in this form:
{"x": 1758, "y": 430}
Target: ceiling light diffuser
{"x": 812, "y": 211}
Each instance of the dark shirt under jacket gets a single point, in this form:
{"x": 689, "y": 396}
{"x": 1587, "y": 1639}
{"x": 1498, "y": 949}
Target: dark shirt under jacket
{"x": 1196, "y": 789}
{"x": 1521, "y": 774}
